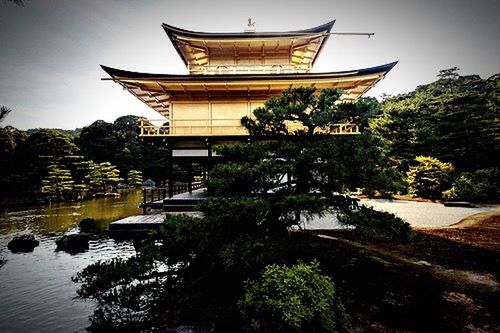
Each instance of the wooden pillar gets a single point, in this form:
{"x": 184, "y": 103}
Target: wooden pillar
{"x": 170, "y": 173}
{"x": 190, "y": 177}
{"x": 209, "y": 148}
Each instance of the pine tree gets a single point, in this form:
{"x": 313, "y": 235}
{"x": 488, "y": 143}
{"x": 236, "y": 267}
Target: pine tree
{"x": 134, "y": 178}
{"x": 103, "y": 175}
{"x": 58, "y": 182}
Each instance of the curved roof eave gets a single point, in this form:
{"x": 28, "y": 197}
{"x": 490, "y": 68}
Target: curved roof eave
{"x": 169, "y": 29}
{"x": 123, "y": 74}
{"x": 175, "y": 31}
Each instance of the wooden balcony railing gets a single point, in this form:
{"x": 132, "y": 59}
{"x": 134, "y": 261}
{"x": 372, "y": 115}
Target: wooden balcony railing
{"x": 222, "y": 127}
{"x": 193, "y": 127}
{"x": 247, "y": 69}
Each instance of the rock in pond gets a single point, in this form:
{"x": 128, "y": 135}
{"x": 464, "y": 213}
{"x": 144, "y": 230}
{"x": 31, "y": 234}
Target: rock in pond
{"x": 88, "y": 225}
{"x": 23, "y": 243}
{"x": 73, "y": 243}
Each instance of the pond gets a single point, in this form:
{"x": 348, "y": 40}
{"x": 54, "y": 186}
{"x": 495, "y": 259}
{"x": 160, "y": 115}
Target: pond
{"x": 36, "y": 291}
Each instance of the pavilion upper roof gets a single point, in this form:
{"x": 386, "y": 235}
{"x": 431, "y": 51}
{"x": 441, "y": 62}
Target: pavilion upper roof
{"x": 232, "y": 53}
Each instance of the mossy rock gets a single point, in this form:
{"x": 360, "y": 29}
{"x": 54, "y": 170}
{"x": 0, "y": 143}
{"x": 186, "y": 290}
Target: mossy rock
{"x": 88, "y": 225}
{"x": 23, "y": 243}
{"x": 73, "y": 243}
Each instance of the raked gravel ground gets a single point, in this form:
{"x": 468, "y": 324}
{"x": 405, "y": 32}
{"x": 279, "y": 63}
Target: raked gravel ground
{"x": 418, "y": 214}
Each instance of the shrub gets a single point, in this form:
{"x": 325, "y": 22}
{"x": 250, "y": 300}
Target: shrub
{"x": 384, "y": 182}
{"x": 370, "y": 223}
{"x": 478, "y": 186}
{"x": 290, "y": 299}
{"x": 429, "y": 178}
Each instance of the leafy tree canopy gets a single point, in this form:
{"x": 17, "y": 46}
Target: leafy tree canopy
{"x": 429, "y": 177}
{"x": 134, "y": 178}
{"x": 454, "y": 119}
{"x": 103, "y": 175}
{"x": 48, "y": 143}
{"x": 290, "y": 299}
{"x": 58, "y": 181}
{"x": 300, "y": 111}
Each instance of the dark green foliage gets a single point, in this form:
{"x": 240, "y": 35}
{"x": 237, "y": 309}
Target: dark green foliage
{"x": 328, "y": 164}
{"x": 134, "y": 178}
{"x": 11, "y": 179}
{"x": 236, "y": 210}
{"x": 454, "y": 119}
{"x": 450, "y": 74}
{"x": 372, "y": 224}
{"x": 129, "y": 294}
{"x": 58, "y": 182}
{"x": 342, "y": 163}
{"x": 74, "y": 133}
{"x": 96, "y": 141}
{"x": 318, "y": 162}
{"x": 103, "y": 176}
{"x": 290, "y": 299}
{"x": 47, "y": 144}
{"x": 246, "y": 178}
{"x": 10, "y": 138}
{"x": 429, "y": 177}
{"x": 479, "y": 186}
{"x": 246, "y": 153}
{"x": 28, "y": 158}
{"x": 4, "y": 112}
{"x": 120, "y": 144}
{"x": 305, "y": 109}
{"x": 194, "y": 272}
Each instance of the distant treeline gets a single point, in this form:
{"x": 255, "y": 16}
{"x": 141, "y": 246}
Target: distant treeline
{"x": 50, "y": 161}
{"x": 72, "y": 133}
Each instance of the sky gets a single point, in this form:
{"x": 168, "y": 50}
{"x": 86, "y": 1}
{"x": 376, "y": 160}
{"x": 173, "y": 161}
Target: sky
{"x": 50, "y": 50}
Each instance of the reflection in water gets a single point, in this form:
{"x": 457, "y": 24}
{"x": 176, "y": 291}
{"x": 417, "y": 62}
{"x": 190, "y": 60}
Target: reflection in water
{"x": 36, "y": 291}
{"x": 60, "y": 216}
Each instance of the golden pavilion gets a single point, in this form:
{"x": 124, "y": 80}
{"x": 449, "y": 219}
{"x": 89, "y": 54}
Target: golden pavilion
{"x": 231, "y": 74}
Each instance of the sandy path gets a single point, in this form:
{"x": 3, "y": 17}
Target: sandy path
{"x": 418, "y": 214}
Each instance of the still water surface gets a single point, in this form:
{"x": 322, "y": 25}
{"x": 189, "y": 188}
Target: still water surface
{"x": 36, "y": 291}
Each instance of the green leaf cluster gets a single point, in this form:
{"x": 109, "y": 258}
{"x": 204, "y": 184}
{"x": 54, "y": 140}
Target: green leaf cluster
{"x": 478, "y": 186}
{"x": 290, "y": 299}
{"x": 305, "y": 107}
{"x": 368, "y": 223}
{"x": 103, "y": 175}
{"x": 455, "y": 119}
{"x": 58, "y": 181}
{"x": 429, "y": 177}
{"x": 134, "y": 178}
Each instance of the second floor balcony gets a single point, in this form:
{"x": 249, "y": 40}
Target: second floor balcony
{"x": 247, "y": 69}
{"x": 221, "y": 127}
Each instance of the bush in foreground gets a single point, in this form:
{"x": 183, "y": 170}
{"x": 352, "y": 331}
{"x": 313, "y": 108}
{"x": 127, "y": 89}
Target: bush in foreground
{"x": 370, "y": 223}
{"x": 290, "y": 299}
